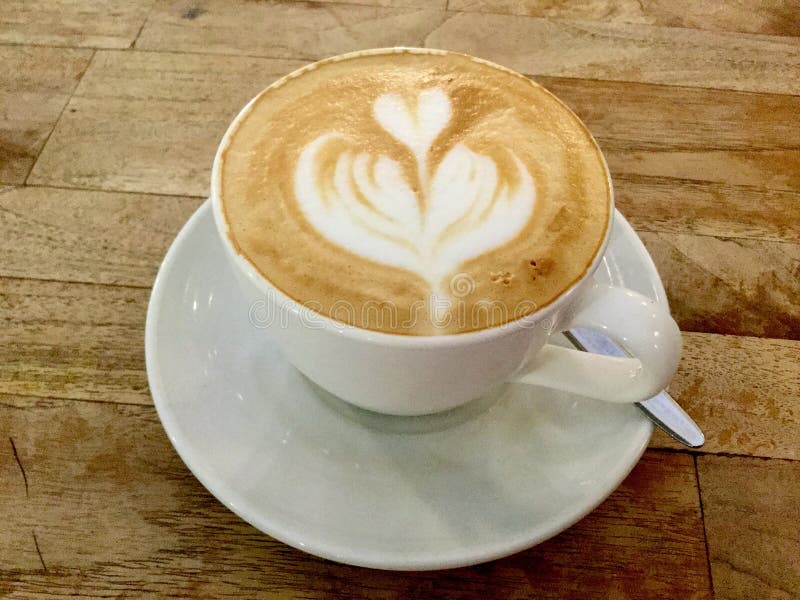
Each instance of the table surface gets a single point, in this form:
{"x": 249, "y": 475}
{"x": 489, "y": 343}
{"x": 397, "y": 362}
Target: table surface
{"x": 109, "y": 118}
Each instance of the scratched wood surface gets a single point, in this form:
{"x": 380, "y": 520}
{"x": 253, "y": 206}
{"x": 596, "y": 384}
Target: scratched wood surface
{"x": 109, "y": 117}
{"x": 142, "y": 521}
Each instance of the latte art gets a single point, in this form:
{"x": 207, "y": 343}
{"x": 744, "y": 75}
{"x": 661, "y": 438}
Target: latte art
{"x": 416, "y": 192}
{"x": 462, "y": 208}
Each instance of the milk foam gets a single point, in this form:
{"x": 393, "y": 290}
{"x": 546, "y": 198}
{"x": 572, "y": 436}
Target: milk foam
{"x": 365, "y": 204}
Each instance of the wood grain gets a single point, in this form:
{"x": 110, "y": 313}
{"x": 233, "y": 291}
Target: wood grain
{"x": 616, "y": 51}
{"x": 689, "y": 160}
{"x": 648, "y": 116}
{"x": 35, "y": 84}
{"x": 625, "y": 52}
{"x": 87, "y": 23}
{"x": 73, "y": 340}
{"x": 85, "y": 236}
{"x": 752, "y": 515}
{"x": 679, "y": 206}
{"x": 730, "y": 286}
{"x": 776, "y": 17}
{"x": 695, "y": 105}
{"x": 192, "y": 98}
{"x": 103, "y": 479}
{"x": 304, "y": 30}
{"x": 707, "y": 278}
{"x": 776, "y": 169}
{"x": 84, "y": 341}
{"x": 742, "y": 392}
{"x": 150, "y": 122}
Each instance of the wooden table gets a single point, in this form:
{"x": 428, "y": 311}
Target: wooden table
{"x": 110, "y": 113}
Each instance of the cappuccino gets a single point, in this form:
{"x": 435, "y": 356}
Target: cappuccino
{"x": 414, "y": 192}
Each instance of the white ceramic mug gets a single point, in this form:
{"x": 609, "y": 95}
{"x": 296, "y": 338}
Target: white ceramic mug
{"x": 414, "y": 375}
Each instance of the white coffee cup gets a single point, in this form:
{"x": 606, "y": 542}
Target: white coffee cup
{"x": 414, "y": 375}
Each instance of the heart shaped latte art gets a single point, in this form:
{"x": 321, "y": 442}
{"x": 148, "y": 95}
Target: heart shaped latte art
{"x": 365, "y": 203}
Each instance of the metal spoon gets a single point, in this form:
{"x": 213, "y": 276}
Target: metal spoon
{"x": 660, "y": 409}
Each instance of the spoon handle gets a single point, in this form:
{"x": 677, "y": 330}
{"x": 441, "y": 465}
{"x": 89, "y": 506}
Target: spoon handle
{"x": 661, "y": 408}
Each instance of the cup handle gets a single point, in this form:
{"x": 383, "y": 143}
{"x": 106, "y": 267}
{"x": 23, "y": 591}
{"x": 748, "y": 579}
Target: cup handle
{"x": 642, "y": 327}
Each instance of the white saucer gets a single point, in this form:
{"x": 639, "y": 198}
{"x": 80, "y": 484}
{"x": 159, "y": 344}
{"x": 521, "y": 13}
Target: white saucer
{"x": 475, "y": 484}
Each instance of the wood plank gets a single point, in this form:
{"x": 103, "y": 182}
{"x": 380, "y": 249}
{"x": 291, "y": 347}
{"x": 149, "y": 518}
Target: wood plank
{"x": 626, "y": 52}
{"x": 617, "y": 51}
{"x": 775, "y": 169}
{"x": 85, "y": 23}
{"x": 733, "y": 286}
{"x": 193, "y": 97}
{"x": 645, "y": 116}
{"x": 777, "y": 17}
{"x": 86, "y": 342}
{"x": 35, "y": 84}
{"x": 114, "y": 509}
{"x": 304, "y": 30}
{"x": 689, "y": 160}
{"x": 73, "y": 340}
{"x": 151, "y": 122}
{"x": 730, "y": 286}
{"x": 85, "y": 236}
{"x": 742, "y": 392}
{"x": 752, "y": 516}
{"x": 679, "y": 206}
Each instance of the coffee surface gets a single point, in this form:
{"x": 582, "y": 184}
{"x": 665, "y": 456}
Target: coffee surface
{"x": 414, "y": 192}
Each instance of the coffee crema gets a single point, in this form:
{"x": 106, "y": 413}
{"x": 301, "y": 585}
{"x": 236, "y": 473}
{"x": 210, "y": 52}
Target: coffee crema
{"x": 414, "y": 192}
